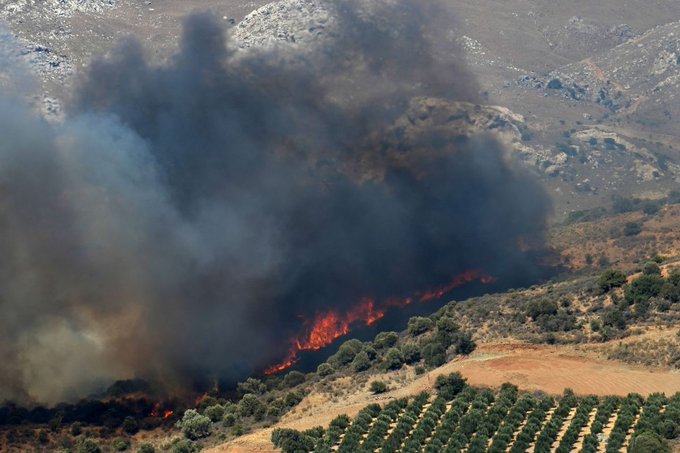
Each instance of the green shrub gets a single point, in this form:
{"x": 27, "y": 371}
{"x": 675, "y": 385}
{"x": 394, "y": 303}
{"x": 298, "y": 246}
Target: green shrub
{"x": 185, "y": 446}
{"x": 121, "y": 444}
{"x": 651, "y": 268}
{"x": 361, "y": 362}
{"x": 393, "y": 360}
{"x": 464, "y": 343}
{"x": 251, "y": 406}
{"x": 292, "y": 441}
{"x": 632, "y": 229}
{"x": 648, "y": 442}
{"x": 293, "y": 398}
{"x": 419, "y": 325}
{"x": 43, "y": 437}
{"x": 76, "y": 428}
{"x": 448, "y": 387}
{"x": 346, "y": 353}
{"x": 251, "y": 385}
{"x": 325, "y": 369}
{"x": 146, "y": 448}
{"x": 293, "y": 379}
{"x": 385, "y": 340}
{"x": 229, "y": 420}
{"x": 644, "y": 288}
{"x": 433, "y": 353}
{"x": 611, "y": 279}
{"x": 194, "y": 425}
{"x": 275, "y": 408}
{"x": 214, "y": 413}
{"x": 410, "y": 352}
{"x": 88, "y": 446}
{"x": 377, "y": 387}
{"x": 537, "y": 308}
{"x": 130, "y": 425}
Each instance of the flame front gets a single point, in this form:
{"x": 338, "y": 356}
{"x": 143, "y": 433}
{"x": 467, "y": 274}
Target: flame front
{"x": 156, "y": 412}
{"x": 329, "y": 326}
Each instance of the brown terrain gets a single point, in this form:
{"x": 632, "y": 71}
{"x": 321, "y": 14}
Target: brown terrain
{"x": 533, "y": 368}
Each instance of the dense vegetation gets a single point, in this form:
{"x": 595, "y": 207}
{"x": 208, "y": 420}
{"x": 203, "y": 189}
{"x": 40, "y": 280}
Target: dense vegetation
{"x": 477, "y": 420}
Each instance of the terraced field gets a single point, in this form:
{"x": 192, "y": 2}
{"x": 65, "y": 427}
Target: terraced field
{"x": 480, "y": 420}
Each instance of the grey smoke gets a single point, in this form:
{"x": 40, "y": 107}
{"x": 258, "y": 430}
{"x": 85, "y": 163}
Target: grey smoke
{"x": 184, "y": 215}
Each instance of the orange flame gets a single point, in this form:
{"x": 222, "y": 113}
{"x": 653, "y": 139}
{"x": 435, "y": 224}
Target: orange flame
{"x": 328, "y": 327}
{"x": 156, "y": 412}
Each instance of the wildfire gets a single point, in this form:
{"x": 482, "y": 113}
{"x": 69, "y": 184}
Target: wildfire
{"x": 329, "y": 326}
{"x": 156, "y": 412}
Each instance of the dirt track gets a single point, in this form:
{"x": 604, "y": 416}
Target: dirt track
{"x": 531, "y": 368}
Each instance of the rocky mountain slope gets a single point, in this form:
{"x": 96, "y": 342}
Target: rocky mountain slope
{"x": 584, "y": 94}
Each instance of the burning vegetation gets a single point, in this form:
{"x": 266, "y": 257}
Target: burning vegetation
{"x": 183, "y": 216}
{"x": 329, "y": 326}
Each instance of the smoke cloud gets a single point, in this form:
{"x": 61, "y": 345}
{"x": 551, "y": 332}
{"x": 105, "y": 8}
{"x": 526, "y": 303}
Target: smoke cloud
{"x": 180, "y": 219}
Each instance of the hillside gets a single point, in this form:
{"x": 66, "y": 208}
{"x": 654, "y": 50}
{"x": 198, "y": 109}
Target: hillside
{"x": 583, "y": 98}
{"x": 590, "y": 91}
{"x": 464, "y": 418}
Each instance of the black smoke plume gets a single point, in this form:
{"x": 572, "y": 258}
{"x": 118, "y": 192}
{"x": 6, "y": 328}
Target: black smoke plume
{"x": 180, "y": 219}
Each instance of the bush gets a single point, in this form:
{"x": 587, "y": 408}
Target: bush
{"x": 651, "y": 207}
{"x": 378, "y": 387}
{"x": 537, "y": 308}
{"x": 292, "y": 441}
{"x": 393, "y": 359}
{"x": 419, "y": 325}
{"x": 293, "y": 398}
{"x": 385, "y": 340}
{"x": 648, "y": 442}
{"x": 238, "y": 430}
{"x": 464, "y": 344}
{"x": 275, "y": 408}
{"x": 251, "y": 385}
{"x": 555, "y": 84}
{"x": 615, "y": 319}
{"x": 293, "y": 379}
{"x": 229, "y": 420}
{"x": 121, "y": 444}
{"x": 632, "y": 229}
{"x": 449, "y": 386}
{"x": 651, "y": 268}
{"x": 410, "y": 352}
{"x": 251, "y": 406}
{"x": 644, "y": 288}
{"x": 562, "y": 322}
{"x": 611, "y": 279}
{"x": 194, "y": 425}
{"x": 361, "y": 362}
{"x": 346, "y": 353}
{"x": 434, "y": 354}
{"x": 76, "y": 428}
{"x": 130, "y": 425}
{"x": 88, "y": 446}
{"x": 146, "y": 448}
{"x": 214, "y": 413}
{"x": 324, "y": 370}
{"x": 185, "y": 446}
{"x": 54, "y": 423}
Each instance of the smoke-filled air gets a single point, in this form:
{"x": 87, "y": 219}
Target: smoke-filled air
{"x": 187, "y": 220}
